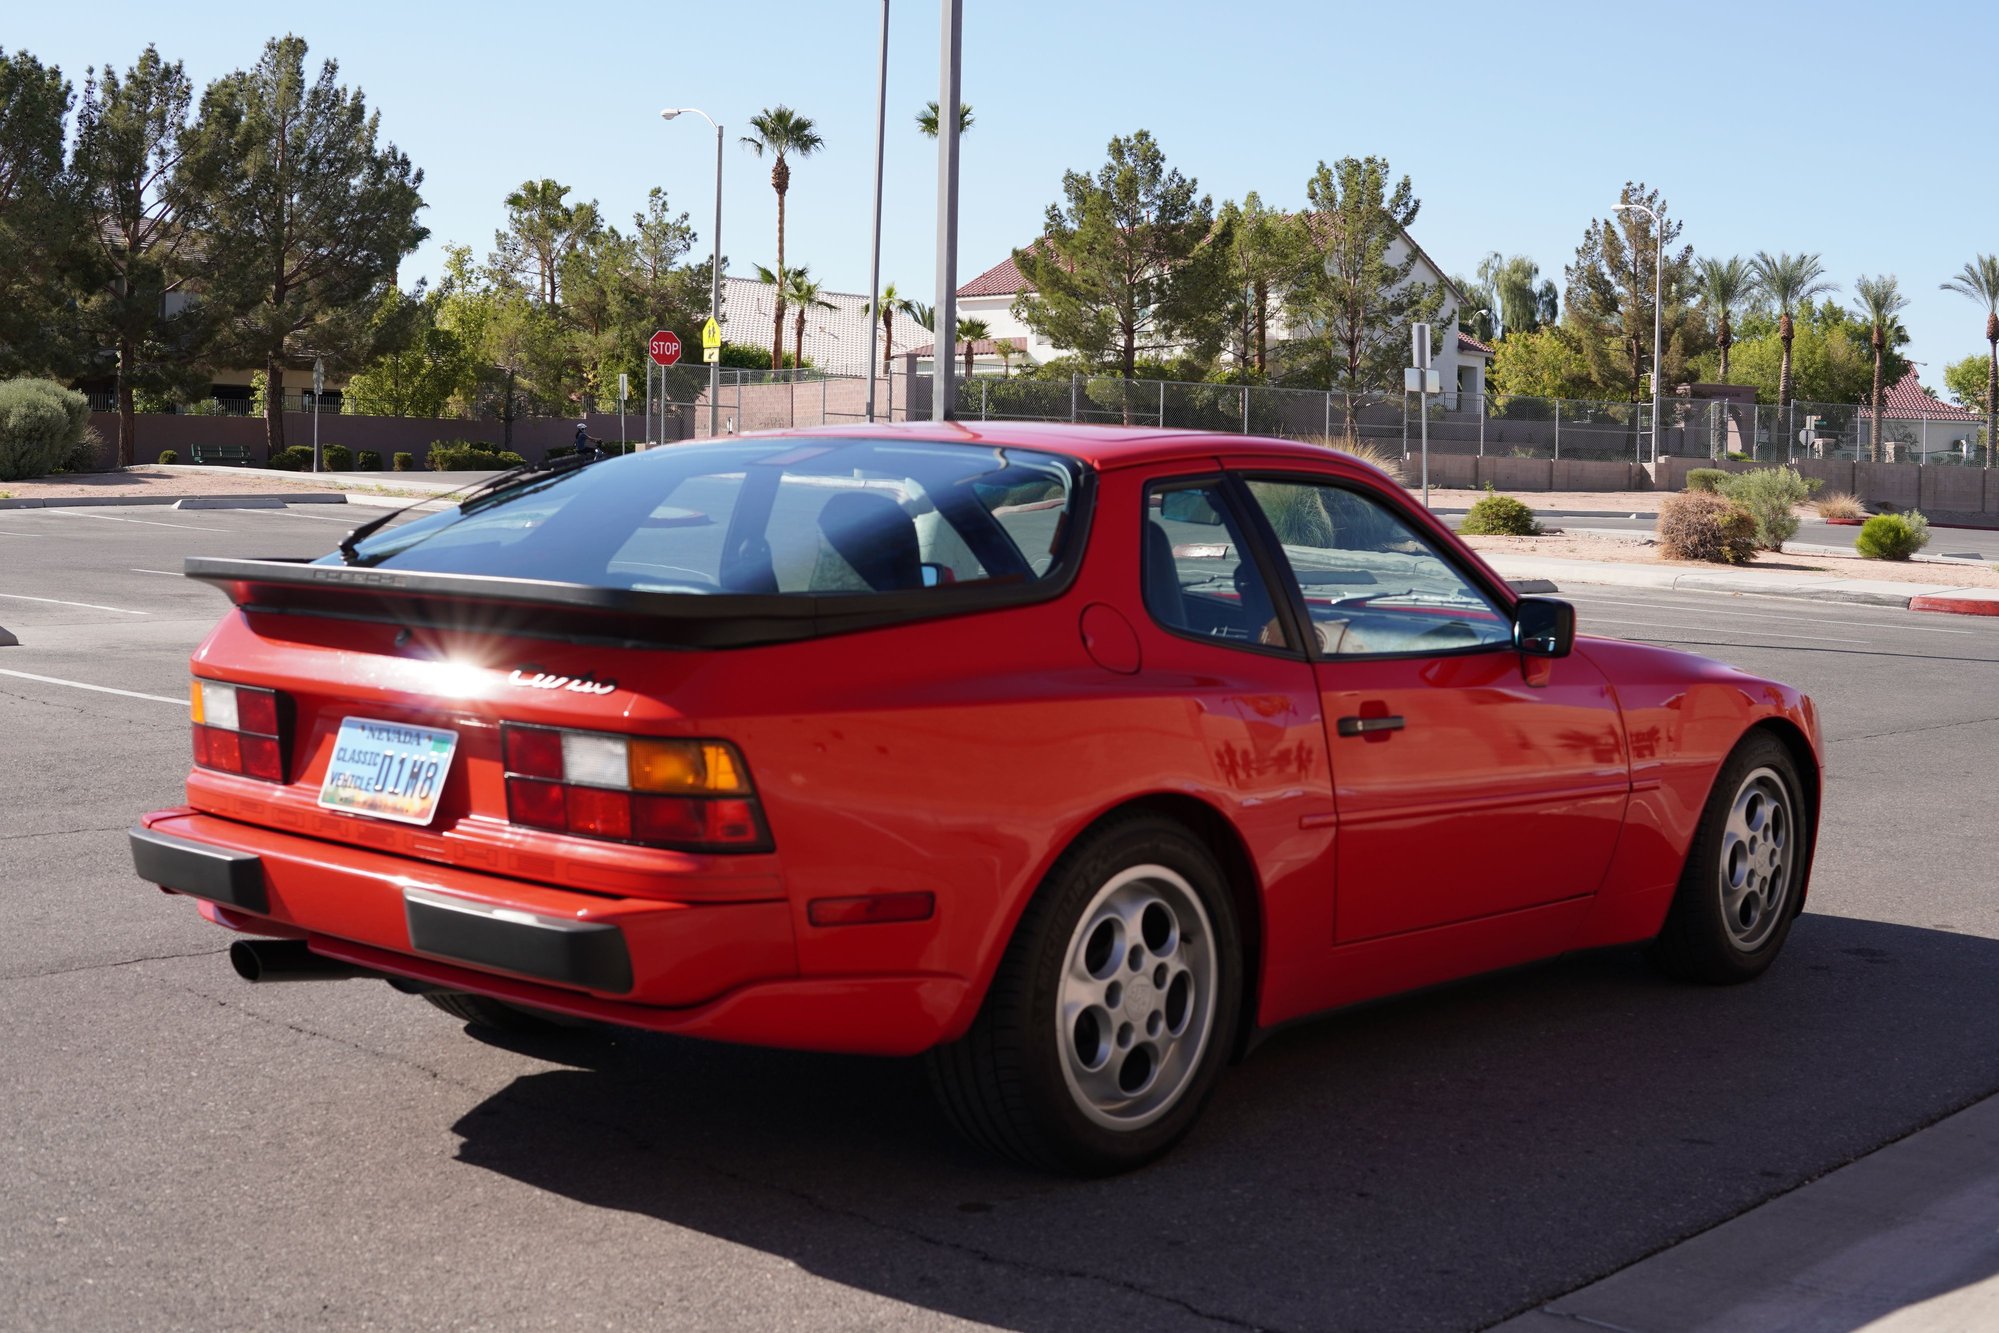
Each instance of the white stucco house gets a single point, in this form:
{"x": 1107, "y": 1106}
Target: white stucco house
{"x": 1461, "y": 364}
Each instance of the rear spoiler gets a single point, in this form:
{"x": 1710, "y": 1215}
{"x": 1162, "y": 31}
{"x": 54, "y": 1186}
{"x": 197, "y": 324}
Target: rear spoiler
{"x": 577, "y": 612}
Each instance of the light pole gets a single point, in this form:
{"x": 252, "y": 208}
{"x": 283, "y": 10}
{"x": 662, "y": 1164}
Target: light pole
{"x": 1658, "y": 307}
{"x": 714, "y": 273}
{"x": 944, "y": 337}
{"x": 875, "y": 251}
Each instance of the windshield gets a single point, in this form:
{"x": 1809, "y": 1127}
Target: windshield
{"x": 774, "y": 517}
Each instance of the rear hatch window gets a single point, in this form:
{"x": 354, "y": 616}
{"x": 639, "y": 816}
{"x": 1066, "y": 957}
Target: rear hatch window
{"x": 770, "y": 518}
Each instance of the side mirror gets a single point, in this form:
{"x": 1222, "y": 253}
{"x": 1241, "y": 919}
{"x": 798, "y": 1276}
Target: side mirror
{"x": 1189, "y": 507}
{"x": 1544, "y": 627}
{"x": 936, "y": 575}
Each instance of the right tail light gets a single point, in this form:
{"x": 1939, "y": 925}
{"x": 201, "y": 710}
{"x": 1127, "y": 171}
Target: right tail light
{"x": 687, "y": 795}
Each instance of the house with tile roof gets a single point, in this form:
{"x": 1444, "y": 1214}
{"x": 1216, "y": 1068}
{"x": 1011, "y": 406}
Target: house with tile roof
{"x": 1461, "y": 363}
{"x": 1918, "y": 424}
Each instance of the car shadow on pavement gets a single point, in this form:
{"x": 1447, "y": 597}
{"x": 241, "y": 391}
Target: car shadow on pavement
{"x": 1439, "y": 1161}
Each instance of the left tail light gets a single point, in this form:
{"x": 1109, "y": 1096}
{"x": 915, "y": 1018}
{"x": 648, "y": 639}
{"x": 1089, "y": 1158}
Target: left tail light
{"x": 688, "y": 795}
{"x": 237, "y": 729}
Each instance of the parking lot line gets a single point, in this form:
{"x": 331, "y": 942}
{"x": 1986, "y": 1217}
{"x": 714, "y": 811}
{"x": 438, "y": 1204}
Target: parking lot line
{"x": 146, "y": 522}
{"x": 100, "y": 689}
{"x": 57, "y": 601}
{"x": 170, "y": 573}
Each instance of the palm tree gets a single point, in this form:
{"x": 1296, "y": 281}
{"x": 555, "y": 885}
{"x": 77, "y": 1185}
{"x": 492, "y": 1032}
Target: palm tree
{"x": 777, "y": 280}
{"x": 888, "y": 305}
{"x": 927, "y": 119}
{"x": 1980, "y": 281}
{"x": 803, "y": 295}
{"x": 1790, "y": 282}
{"x": 970, "y": 331}
{"x": 784, "y": 134}
{"x": 1878, "y": 300}
{"x": 1007, "y": 352}
{"x": 1724, "y": 286}
{"x": 924, "y": 315}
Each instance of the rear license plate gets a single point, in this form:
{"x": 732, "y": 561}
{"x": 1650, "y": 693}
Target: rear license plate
{"x": 390, "y": 770}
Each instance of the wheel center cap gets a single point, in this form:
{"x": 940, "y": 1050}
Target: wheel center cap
{"x": 1139, "y": 999}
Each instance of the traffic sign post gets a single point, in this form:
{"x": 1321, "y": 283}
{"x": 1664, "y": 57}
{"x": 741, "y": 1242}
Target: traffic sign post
{"x": 624, "y": 389}
{"x": 1422, "y": 380}
{"x": 318, "y": 387}
{"x": 711, "y": 342}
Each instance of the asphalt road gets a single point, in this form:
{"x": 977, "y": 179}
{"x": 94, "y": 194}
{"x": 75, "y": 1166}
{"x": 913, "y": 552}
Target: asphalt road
{"x": 184, "y": 1150}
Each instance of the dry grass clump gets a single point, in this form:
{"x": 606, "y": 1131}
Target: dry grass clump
{"x": 1838, "y": 504}
{"x": 1388, "y": 459}
{"x": 1701, "y": 525}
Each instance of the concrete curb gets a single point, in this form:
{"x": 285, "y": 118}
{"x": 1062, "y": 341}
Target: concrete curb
{"x": 7, "y": 640}
{"x": 1865, "y": 592}
{"x": 180, "y": 501}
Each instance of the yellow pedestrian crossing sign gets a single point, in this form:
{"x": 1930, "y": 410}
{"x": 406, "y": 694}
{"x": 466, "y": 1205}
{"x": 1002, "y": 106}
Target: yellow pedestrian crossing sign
{"x": 711, "y": 335}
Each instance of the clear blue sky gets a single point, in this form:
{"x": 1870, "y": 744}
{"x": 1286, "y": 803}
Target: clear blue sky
{"x": 1842, "y": 128}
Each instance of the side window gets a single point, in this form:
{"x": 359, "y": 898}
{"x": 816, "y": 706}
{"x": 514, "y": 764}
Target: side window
{"x": 1372, "y": 585}
{"x": 1198, "y": 575}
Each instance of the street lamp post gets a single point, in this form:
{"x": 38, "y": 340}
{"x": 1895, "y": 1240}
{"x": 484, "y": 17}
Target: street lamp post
{"x": 714, "y": 271}
{"x": 875, "y": 248}
{"x": 1658, "y": 308}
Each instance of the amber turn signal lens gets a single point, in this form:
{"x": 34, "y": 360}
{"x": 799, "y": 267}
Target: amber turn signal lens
{"x": 706, "y": 768}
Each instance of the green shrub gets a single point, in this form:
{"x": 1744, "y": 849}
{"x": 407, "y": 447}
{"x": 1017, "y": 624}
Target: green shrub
{"x": 41, "y": 426}
{"x": 559, "y": 451}
{"x": 1295, "y": 514}
{"x": 336, "y": 458}
{"x": 404, "y": 462}
{"x": 1770, "y": 494}
{"x": 1701, "y": 525}
{"x": 1707, "y": 478}
{"x": 1496, "y": 515}
{"x": 1737, "y": 456}
{"x": 86, "y": 455}
{"x": 368, "y": 460}
{"x": 1893, "y": 536}
{"x": 168, "y": 457}
{"x": 295, "y": 458}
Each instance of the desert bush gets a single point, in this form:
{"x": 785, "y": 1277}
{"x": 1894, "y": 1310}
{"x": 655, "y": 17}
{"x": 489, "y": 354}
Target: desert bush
{"x": 41, "y": 426}
{"x": 1389, "y": 460}
{"x": 86, "y": 455}
{"x": 1770, "y": 494}
{"x": 368, "y": 460}
{"x": 1737, "y": 456}
{"x": 1706, "y": 478}
{"x": 1294, "y": 512}
{"x": 295, "y": 458}
{"x": 1701, "y": 525}
{"x": 1496, "y": 515}
{"x": 336, "y": 458}
{"x": 1838, "y": 504}
{"x": 1893, "y": 536}
{"x": 404, "y": 462}
{"x": 168, "y": 457}
{"x": 559, "y": 451}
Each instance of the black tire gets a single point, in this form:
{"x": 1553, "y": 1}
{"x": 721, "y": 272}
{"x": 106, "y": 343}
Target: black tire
{"x": 1700, "y": 942}
{"x": 1005, "y": 1084}
{"x": 482, "y": 1011}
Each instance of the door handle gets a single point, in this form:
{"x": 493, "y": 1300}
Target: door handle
{"x": 1362, "y": 726}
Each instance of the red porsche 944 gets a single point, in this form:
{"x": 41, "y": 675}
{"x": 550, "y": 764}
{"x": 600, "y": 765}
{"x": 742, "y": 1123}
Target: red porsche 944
{"x": 1068, "y": 758}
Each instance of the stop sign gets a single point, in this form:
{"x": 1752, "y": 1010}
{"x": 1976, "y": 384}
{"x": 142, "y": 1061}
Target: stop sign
{"x": 664, "y": 347}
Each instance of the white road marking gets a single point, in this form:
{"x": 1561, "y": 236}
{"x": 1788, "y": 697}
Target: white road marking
{"x": 170, "y": 573}
{"x": 1710, "y": 629}
{"x": 112, "y": 518}
{"x": 320, "y": 518}
{"x": 57, "y": 601}
{"x": 100, "y": 689}
{"x": 1802, "y": 620}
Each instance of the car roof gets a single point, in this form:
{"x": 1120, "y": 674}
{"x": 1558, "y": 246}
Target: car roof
{"x": 1102, "y": 447}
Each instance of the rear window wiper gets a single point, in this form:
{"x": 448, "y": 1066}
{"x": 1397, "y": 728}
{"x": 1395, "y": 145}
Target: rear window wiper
{"x": 479, "y": 490}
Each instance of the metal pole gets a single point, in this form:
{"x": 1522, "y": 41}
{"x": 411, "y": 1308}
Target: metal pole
{"x": 1423, "y": 406}
{"x": 982, "y": 400}
{"x": 950, "y": 58}
{"x": 1245, "y": 409}
{"x": 1329, "y": 416}
{"x": 1658, "y": 315}
{"x": 875, "y": 253}
{"x": 1481, "y": 423}
{"x": 1558, "y": 428}
{"x": 1162, "y": 404}
{"x": 647, "y": 429}
{"x": 1075, "y": 384}
{"x": 714, "y": 303}
{"x": 315, "y": 430}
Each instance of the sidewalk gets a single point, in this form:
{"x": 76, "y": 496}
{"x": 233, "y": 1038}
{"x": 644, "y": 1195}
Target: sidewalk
{"x": 1765, "y": 583}
{"x": 1904, "y": 1240}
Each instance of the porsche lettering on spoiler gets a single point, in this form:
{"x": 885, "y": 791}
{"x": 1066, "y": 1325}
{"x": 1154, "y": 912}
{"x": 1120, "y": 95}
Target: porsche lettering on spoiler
{"x": 531, "y": 678}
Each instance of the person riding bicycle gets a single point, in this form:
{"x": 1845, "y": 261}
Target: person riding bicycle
{"x": 585, "y": 446}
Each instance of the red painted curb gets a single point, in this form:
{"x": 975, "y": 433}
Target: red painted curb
{"x": 1957, "y": 606}
{"x": 1846, "y": 522}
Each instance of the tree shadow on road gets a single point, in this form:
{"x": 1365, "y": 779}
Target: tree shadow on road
{"x": 1434, "y": 1162}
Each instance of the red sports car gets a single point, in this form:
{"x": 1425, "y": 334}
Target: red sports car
{"x": 1070, "y": 758}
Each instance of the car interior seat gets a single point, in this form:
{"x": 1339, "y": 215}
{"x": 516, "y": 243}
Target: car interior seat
{"x": 875, "y": 536}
